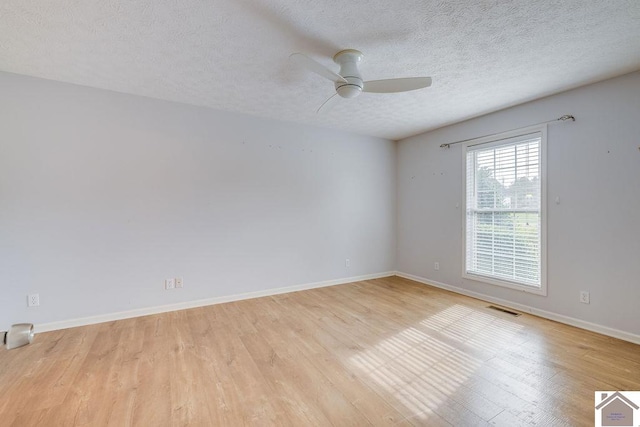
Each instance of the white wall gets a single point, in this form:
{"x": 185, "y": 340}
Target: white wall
{"x": 593, "y": 234}
{"x": 104, "y": 195}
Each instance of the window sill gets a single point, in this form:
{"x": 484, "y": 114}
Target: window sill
{"x": 542, "y": 290}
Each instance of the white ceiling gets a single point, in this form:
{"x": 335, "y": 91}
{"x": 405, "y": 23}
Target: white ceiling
{"x": 483, "y": 55}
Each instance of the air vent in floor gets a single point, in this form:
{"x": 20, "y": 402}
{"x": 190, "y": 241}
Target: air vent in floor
{"x": 504, "y": 310}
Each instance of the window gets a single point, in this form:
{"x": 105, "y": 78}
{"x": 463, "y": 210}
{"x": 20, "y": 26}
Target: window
{"x": 504, "y": 205}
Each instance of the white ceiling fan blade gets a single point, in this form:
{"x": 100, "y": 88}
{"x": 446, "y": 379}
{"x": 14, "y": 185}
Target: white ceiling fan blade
{"x": 396, "y": 85}
{"x": 316, "y": 67}
{"x": 328, "y": 104}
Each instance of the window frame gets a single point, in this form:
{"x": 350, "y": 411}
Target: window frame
{"x": 496, "y": 140}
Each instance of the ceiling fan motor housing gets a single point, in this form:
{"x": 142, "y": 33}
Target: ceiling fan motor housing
{"x": 348, "y": 61}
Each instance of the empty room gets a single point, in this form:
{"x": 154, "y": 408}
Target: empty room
{"x": 314, "y": 213}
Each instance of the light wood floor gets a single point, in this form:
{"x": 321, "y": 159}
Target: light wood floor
{"x": 383, "y": 352}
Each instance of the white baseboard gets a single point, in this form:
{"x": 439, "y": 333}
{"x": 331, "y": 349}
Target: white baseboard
{"x": 594, "y": 327}
{"x": 72, "y": 323}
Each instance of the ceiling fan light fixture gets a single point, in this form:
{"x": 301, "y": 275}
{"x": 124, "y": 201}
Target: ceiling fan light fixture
{"x": 351, "y": 89}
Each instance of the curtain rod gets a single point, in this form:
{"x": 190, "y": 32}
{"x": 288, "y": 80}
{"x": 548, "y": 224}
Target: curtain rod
{"x": 559, "y": 119}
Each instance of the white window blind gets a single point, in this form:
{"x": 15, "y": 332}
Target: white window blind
{"x": 503, "y": 210}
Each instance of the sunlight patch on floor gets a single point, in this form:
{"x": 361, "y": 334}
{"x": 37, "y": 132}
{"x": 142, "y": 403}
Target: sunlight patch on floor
{"x": 425, "y": 365}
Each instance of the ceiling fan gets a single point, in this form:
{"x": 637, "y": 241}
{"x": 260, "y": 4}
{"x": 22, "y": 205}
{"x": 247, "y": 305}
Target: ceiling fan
{"x": 348, "y": 82}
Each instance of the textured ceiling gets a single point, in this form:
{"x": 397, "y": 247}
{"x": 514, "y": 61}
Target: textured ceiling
{"x": 483, "y": 55}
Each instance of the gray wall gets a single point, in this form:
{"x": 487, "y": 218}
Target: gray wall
{"x": 104, "y": 195}
{"x": 593, "y": 233}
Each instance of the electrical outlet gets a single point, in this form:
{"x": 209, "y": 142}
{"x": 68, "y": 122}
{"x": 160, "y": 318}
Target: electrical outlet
{"x": 33, "y": 300}
{"x": 584, "y": 297}
{"x": 169, "y": 284}
{"x": 436, "y": 265}
{"x": 347, "y": 263}
{"x": 179, "y": 283}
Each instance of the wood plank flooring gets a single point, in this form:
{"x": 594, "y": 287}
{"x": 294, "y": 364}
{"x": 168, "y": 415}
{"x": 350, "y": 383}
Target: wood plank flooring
{"x": 380, "y": 352}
